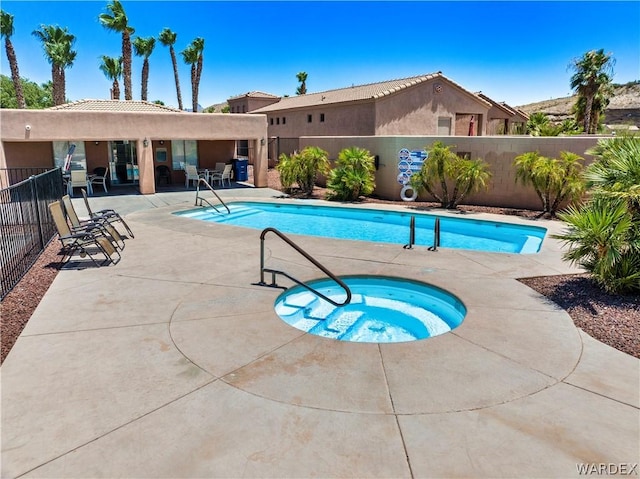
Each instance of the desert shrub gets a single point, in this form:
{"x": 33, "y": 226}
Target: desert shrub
{"x": 554, "y": 180}
{"x": 353, "y": 176}
{"x": 302, "y": 169}
{"x": 448, "y": 177}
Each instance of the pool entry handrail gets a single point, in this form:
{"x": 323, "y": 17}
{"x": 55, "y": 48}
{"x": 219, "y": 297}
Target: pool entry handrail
{"x": 201, "y": 199}
{"x": 436, "y": 236}
{"x": 412, "y": 233}
{"x": 307, "y": 256}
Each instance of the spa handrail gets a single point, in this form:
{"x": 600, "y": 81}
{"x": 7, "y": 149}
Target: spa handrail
{"x": 274, "y": 272}
{"x": 198, "y": 197}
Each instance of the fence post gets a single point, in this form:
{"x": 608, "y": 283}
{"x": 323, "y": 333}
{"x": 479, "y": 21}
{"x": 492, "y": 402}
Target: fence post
{"x": 34, "y": 199}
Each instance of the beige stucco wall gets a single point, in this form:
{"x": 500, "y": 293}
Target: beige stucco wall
{"x": 415, "y": 111}
{"x": 355, "y": 118}
{"x": 92, "y": 126}
{"x": 498, "y": 151}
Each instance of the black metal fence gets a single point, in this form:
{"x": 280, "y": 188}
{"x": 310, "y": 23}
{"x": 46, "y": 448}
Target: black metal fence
{"x": 11, "y": 176}
{"x": 25, "y": 224}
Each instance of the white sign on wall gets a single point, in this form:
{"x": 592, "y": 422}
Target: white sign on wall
{"x": 409, "y": 163}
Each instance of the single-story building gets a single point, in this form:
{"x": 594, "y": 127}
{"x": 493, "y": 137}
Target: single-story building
{"x": 430, "y": 104}
{"x": 132, "y": 139}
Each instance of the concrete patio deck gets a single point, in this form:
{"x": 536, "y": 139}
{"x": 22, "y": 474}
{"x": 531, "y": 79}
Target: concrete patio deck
{"x": 173, "y": 364}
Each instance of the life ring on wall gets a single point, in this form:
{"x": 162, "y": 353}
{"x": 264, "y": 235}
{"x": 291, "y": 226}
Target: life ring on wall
{"x": 403, "y": 193}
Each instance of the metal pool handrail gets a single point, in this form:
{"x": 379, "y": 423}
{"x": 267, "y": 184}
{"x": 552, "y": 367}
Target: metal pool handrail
{"x": 198, "y": 197}
{"x": 274, "y": 272}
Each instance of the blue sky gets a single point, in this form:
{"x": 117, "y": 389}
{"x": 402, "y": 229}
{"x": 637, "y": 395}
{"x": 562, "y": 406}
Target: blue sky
{"x": 518, "y": 52}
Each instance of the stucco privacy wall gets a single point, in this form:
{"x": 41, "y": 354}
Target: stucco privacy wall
{"x": 498, "y": 151}
{"x": 45, "y": 125}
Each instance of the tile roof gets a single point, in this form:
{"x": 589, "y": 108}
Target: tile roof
{"x": 254, "y": 94}
{"x": 370, "y": 91}
{"x": 501, "y": 105}
{"x": 115, "y": 105}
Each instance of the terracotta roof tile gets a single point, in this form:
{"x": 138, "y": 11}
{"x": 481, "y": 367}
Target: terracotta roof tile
{"x": 114, "y": 105}
{"x": 254, "y": 94}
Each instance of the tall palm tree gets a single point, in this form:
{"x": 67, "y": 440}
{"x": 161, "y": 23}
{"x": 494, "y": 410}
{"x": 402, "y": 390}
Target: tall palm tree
{"x": 117, "y": 21}
{"x": 593, "y": 74}
{"x": 6, "y": 30}
{"x": 112, "y": 69}
{"x": 193, "y": 55}
{"x": 143, "y": 48}
{"x": 168, "y": 39}
{"x": 302, "y": 78}
{"x": 57, "y": 44}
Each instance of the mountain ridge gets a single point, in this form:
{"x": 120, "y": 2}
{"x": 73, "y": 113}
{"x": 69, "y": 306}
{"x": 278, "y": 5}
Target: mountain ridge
{"x": 623, "y": 108}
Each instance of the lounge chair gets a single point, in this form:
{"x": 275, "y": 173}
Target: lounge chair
{"x": 82, "y": 240}
{"x": 101, "y": 224}
{"x": 108, "y": 214}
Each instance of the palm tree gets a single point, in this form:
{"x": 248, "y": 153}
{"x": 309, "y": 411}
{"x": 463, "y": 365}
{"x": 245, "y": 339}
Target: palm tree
{"x": 168, "y": 39}
{"x": 193, "y": 56}
{"x": 604, "y": 234}
{"x": 593, "y": 74}
{"x": 112, "y": 68}
{"x": 57, "y": 44}
{"x": 143, "y": 48}
{"x": 6, "y": 30}
{"x": 302, "y": 78}
{"x": 117, "y": 22}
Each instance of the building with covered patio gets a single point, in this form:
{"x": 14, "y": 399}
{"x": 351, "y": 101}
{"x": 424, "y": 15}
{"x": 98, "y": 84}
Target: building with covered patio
{"x": 133, "y": 140}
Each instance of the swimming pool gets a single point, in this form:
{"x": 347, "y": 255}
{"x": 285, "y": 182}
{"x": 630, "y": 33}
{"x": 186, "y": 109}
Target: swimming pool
{"x": 375, "y": 225}
{"x": 382, "y": 310}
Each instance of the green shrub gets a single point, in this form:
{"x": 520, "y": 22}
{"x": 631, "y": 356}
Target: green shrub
{"x": 443, "y": 168}
{"x": 302, "y": 169}
{"x": 353, "y": 176}
{"x": 604, "y": 234}
{"x": 554, "y": 180}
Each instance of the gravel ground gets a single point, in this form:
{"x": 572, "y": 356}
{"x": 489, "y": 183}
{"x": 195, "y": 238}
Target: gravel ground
{"x": 613, "y": 320}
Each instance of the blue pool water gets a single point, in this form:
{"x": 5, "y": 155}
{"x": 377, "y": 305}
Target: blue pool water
{"x": 376, "y": 225}
{"x": 382, "y": 310}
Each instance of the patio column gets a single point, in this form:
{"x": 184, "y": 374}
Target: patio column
{"x": 260, "y": 163}
{"x": 146, "y": 180}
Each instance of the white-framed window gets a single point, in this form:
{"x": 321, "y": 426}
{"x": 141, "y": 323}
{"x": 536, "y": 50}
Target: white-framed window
{"x": 184, "y": 151}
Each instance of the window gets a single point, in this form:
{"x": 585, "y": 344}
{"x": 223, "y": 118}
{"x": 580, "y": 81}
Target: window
{"x": 61, "y": 150}
{"x": 284, "y": 120}
{"x": 278, "y": 121}
{"x": 321, "y": 117}
{"x": 271, "y": 121}
{"x": 242, "y": 148}
{"x": 184, "y": 151}
{"x": 309, "y": 118}
{"x": 161, "y": 155}
{"x": 444, "y": 126}
{"x": 244, "y": 108}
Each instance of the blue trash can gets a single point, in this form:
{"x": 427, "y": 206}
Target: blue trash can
{"x": 240, "y": 169}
